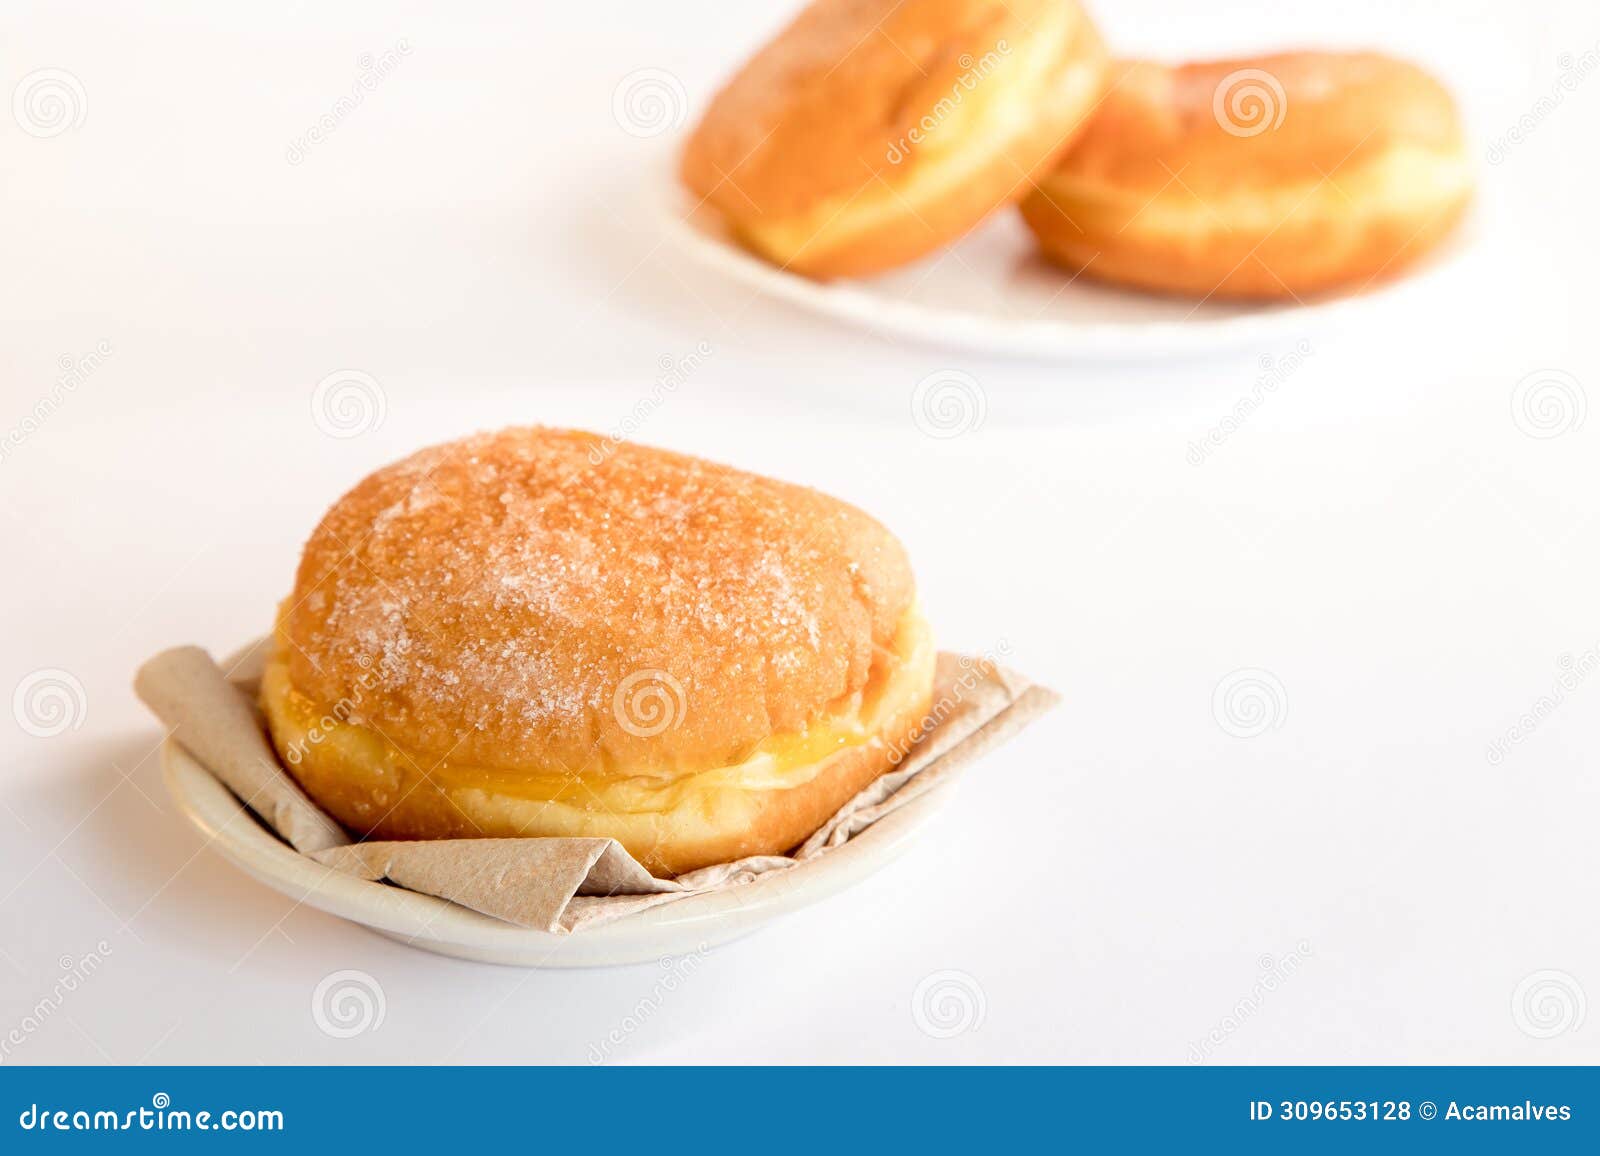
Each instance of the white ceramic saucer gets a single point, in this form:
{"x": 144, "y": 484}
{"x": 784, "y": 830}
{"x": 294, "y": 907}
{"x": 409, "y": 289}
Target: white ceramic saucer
{"x": 678, "y": 928}
{"x": 991, "y": 293}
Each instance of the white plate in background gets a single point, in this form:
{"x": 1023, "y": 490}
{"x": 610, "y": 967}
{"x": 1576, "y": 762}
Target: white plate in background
{"x": 991, "y": 293}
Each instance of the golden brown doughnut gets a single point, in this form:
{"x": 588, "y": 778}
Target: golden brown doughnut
{"x": 546, "y": 632}
{"x": 872, "y": 132}
{"x": 1281, "y": 176}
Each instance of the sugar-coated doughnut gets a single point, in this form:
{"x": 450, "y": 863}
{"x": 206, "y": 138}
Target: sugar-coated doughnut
{"x": 1277, "y": 177}
{"x": 872, "y": 132}
{"x": 548, "y": 632}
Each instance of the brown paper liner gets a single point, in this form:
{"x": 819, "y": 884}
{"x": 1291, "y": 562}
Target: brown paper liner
{"x": 560, "y": 884}
{"x": 214, "y": 721}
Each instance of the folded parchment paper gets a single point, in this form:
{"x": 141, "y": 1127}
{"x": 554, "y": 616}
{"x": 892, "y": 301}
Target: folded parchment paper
{"x": 557, "y": 884}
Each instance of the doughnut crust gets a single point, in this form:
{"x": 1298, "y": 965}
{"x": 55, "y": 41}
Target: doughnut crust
{"x": 872, "y": 132}
{"x": 545, "y": 632}
{"x": 1277, "y": 177}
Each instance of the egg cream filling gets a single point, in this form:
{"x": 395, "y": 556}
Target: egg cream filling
{"x": 1403, "y": 180}
{"x": 899, "y": 681}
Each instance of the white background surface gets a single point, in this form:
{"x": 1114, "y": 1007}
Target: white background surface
{"x": 1381, "y": 535}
